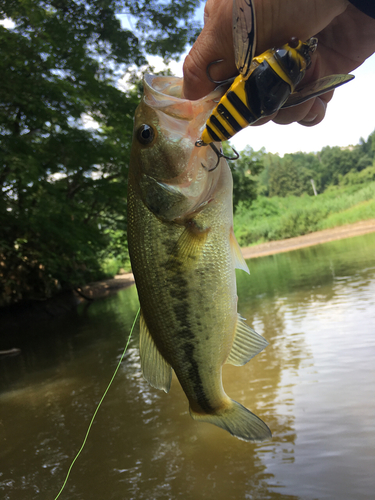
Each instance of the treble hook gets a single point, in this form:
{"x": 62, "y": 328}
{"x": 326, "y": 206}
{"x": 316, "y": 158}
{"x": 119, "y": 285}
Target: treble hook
{"x": 219, "y": 83}
{"x": 219, "y": 154}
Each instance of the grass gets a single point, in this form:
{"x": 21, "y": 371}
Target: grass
{"x": 112, "y": 266}
{"x": 270, "y": 219}
{"x": 362, "y": 211}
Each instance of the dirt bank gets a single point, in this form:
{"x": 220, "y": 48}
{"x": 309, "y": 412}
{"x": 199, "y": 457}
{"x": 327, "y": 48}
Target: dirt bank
{"x": 307, "y": 240}
{"x": 106, "y": 287}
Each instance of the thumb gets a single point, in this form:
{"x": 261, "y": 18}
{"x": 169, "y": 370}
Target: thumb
{"x": 214, "y": 42}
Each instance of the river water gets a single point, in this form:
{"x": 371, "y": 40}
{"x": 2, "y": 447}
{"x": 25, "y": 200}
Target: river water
{"x": 314, "y": 385}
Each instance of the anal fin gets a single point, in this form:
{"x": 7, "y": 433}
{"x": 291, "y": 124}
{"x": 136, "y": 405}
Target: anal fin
{"x": 156, "y": 370}
{"x": 247, "y": 344}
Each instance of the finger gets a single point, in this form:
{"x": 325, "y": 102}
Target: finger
{"x": 308, "y": 114}
{"x": 214, "y": 42}
{"x": 316, "y": 113}
{"x": 264, "y": 120}
{"x": 294, "y": 114}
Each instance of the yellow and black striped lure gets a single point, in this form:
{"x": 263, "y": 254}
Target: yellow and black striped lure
{"x": 266, "y": 83}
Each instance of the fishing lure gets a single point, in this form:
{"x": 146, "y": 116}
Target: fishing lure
{"x": 266, "y": 83}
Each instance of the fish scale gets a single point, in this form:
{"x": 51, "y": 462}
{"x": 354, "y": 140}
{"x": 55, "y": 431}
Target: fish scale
{"x": 183, "y": 254}
{"x": 181, "y": 293}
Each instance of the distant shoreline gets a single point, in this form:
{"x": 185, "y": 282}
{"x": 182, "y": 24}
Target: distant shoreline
{"x": 106, "y": 287}
{"x": 337, "y": 233}
{"x": 68, "y": 301}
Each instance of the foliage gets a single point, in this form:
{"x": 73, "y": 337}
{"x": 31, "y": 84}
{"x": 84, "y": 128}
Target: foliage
{"x": 284, "y": 179}
{"x": 63, "y": 204}
{"x": 353, "y": 177}
{"x": 66, "y": 129}
{"x": 245, "y": 171}
{"x": 292, "y": 174}
{"x": 361, "y": 211}
{"x": 277, "y": 218}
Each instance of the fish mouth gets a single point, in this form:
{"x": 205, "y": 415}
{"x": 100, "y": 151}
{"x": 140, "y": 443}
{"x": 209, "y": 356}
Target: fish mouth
{"x": 165, "y": 93}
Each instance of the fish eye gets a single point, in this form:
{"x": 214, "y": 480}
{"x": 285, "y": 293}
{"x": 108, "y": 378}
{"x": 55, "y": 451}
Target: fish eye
{"x": 145, "y": 134}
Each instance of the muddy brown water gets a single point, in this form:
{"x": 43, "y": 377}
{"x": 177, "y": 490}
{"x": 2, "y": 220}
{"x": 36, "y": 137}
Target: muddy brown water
{"x": 314, "y": 385}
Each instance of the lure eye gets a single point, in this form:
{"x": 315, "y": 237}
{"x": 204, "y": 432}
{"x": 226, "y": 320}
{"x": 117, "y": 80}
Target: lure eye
{"x": 293, "y": 42}
{"x": 145, "y": 134}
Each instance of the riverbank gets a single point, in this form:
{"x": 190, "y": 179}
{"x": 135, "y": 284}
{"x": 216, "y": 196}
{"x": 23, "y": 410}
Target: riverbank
{"x": 106, "y": 287}
{"x": 12, "y": 318}
{"x": 109, "y": 286}
{"x": 337, "y": 233}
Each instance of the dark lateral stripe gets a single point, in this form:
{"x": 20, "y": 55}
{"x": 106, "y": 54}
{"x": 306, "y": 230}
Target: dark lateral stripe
{"x": 178, "y": 289}
{"x": 222, "y": 110}
{"x": 194, "y": 376}
{"x": 212, "y": 134}
{"x": 220, "y": 127}
{"x": 240, "y": 107}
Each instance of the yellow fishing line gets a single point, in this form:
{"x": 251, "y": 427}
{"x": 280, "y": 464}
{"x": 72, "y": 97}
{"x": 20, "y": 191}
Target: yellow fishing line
{"x": 97, "y": 408}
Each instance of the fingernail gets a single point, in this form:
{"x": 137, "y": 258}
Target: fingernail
{"x": 309, "y": 118}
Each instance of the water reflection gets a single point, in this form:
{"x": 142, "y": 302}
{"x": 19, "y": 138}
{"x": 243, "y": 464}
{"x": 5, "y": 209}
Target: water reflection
{"x": 313, "y": 385}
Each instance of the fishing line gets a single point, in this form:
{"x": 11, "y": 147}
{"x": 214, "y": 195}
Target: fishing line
{"x": 99, "y": 404}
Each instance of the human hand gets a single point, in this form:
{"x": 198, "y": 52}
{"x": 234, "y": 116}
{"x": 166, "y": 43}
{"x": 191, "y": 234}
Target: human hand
{"x": 346, "y": 37}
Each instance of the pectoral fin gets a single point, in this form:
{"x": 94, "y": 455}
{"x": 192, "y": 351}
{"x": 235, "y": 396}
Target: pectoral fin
{"x": 247, "y": 343}
{"x": 238, "y": 260}
{"x": 156, "y": 370}
{"x": 188, "y": 247}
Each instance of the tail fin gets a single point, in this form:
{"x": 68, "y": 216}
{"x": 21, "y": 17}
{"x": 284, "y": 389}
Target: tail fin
{"x": 237, "y": 420}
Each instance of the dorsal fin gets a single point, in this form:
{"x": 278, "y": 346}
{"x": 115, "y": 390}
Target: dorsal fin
{"x": 247, "y": 343}
{"x": 156, "y": 370}
{"x": 238, "y": 260}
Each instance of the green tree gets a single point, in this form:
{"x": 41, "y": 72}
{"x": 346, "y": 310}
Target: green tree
{"x": 371, "y": 140}
{"x": 336, "y": 162}
{"x": 284, "y": 179}
{"x": 306, "y": 166}
{"x": 245, "y": 172}
{"x": 64, "y": 185}
{"x": 368, "y": 147}
{"x": 269, "y": 160}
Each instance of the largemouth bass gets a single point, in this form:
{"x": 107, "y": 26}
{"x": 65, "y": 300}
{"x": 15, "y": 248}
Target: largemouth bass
{"x": 184, "y": 254}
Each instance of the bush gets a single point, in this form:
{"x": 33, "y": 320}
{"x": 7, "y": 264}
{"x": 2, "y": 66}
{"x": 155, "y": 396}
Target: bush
{"x": 354, "y": 177}
{"x": 277, "y": 218}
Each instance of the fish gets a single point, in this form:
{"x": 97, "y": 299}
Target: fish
{"x": 183, "y": 254}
